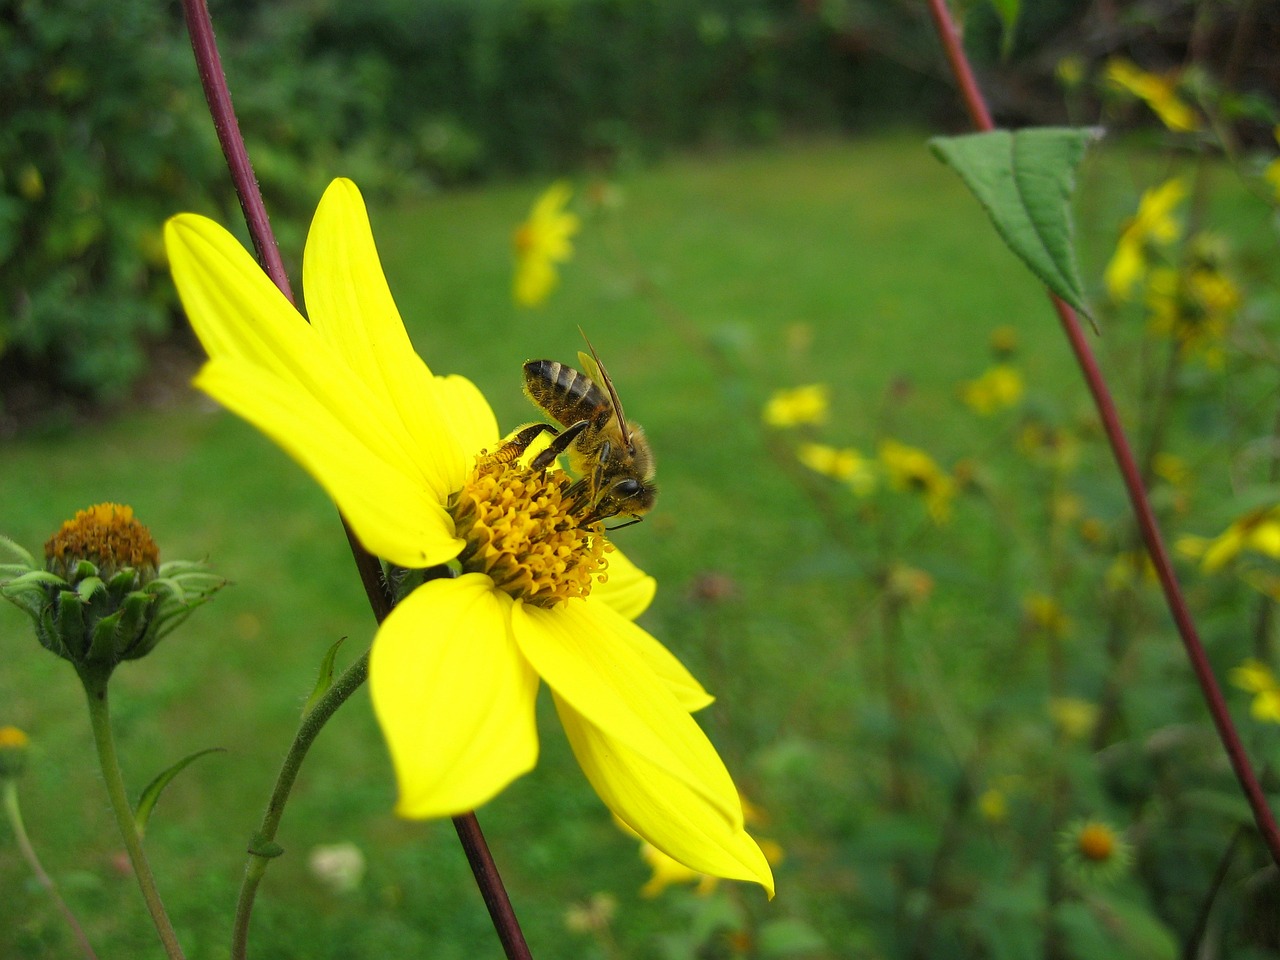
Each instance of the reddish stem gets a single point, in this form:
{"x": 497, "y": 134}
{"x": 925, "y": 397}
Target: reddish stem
{"x": 1138, "y": 500}
{"x": 218, "y": 96}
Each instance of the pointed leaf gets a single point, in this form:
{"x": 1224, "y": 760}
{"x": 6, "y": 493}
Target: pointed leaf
{"x": 325, "y": 680}
{"x": 1024, "y": 181}
{"x": 1008, "y": 11}
{"x": 147, "y": 801}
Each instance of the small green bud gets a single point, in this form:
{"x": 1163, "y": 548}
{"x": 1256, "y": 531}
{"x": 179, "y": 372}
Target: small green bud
{"x": 103, "y": 596}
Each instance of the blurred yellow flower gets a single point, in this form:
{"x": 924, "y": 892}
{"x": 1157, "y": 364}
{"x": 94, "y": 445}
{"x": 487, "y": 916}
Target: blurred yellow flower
{"x": 993, "y": 805}
{"x": 1254, "y": 676}
{"x": 1194, "y": 306}
{"x": 1070, "y": 72}
{"x": 798, "y": 405}
{"x": 1128, "y": 569}
{"x": 911, "y": 469}
{"x": 1093, "y": 851}
{"x": 13, "y": 751}
{"x": 1049, "y": 446}
{"x": 593, "y": 916}
{"x": 1073, "y": 717}
{"x": 542, "y": 242}
{"x": 1004, "y": 342}
{"x": 1152, "y": 226}
{"x": 1045, "y": 615}
{"x": 1159, "y": 93}
{"x": 1258, "y": 531}
{"x": 840, "y": 463}
{"x": 1272, "y": 172}
{"x": 998, "y": 388}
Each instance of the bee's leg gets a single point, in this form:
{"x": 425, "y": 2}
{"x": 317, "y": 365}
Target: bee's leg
{"x": 558, "y": 446}
{"x": 518, "y": 444}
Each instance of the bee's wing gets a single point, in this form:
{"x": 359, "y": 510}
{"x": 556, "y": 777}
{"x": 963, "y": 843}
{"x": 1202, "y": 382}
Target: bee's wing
{"x": 595, "y": 370}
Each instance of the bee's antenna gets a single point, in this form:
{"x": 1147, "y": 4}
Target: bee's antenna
{"x": 608, "y": 385}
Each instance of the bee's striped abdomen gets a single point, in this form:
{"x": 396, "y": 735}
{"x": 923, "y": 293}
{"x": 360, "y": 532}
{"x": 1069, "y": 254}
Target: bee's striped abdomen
{"x": 563, "y": 392}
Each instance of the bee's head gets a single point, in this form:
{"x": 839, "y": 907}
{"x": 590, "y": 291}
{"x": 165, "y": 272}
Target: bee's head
{"x": 626, "y": 496}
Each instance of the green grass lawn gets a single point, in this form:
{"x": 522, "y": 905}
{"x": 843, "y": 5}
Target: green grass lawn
{"x": 874, "y": 249}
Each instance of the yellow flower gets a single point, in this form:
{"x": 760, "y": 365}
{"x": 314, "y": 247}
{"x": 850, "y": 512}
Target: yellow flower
{"x": 13, "y": 751}
{"x": 1070, "y": 72}
{"x": 1254, "y": 676}
{"x": 1159, "y": 93}
{"x": 1272, "y": 172}
{"x": 1045, "y": 615}
{"x": 1093, "y": 851}
{"x": 912, "y": 469}
{"x": 1130, "y": 568}
{"x": 1194, "y": 306}
{"x": 1074, "y": 718}
{"x": 1258, "y": 531}
{"x": 542, "y": 242}
{"x": 456, "y": 667}
{"x": 1004, "y": 342}
{"x": 1152, "y": 226}
{"x": 1049, "y": 446}
{"x": 844, "y": 464}
{"x": 993, "y": 805}
{"x": 998, "y": 388}
{"x": 799, "y": 405}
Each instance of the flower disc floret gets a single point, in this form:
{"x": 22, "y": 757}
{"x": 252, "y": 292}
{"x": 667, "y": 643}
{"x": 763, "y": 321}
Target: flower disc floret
{"x": 520, "y": 533}
{"x": 108, "y": 536}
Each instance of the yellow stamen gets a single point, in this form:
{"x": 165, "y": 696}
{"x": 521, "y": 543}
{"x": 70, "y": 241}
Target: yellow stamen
{"x": 108, "y": 536}
{"x": 520, "y": 532}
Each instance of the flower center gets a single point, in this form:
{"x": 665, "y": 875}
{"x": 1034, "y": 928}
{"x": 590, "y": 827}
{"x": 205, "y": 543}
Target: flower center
{"x": 1096, "y": 842}
{"x": 109, "y": 537}
{"x": 520, "y": 533}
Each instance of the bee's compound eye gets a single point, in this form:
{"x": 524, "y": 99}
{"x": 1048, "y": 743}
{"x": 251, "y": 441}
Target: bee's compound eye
{"x": 627, "y": 488}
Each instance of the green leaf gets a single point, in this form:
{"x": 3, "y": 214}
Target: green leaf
{"x": 1024, "y": 181}
{"x": 325, "y": 680}
{"x": 1008, "y": 11}
{"x": 260, "y": 846}
{"x": 147, "y": 801}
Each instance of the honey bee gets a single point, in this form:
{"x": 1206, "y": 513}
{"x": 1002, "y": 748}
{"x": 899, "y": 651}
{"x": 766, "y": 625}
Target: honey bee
{"x": 608, "y": 452}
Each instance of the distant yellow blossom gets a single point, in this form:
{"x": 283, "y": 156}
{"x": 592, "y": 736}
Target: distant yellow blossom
{"x": 1045, "y": 615}
{"x": 1004, "y": 342}
{"x": 993, "y": 805}
{"x": 1129, "y": 569}
{"x": 13, "y": 751}
{"x": 1070, "y": 72}
{"x": 1194, "y": 306}
{"x": 1159, "y": 93}
{"x": 998, "y": 388}
{"x": 844, "y": 464}
{"x": 799, "y": 405}
{"x": 1151, "y": 227}
{"x": 1049, "y": 446}
{"x": 1272, "y": 172}
{"x": 1074, "y": 718}
{"x": 1258, "y": 531}
{"x": 909, "y": 468}
{"x": 1093, "y": 851}
{"x": 541, "y": 243}
{"x": 1254, "y": 676}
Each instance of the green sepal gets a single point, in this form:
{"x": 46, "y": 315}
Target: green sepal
{"x": 87, "y": 587}
{"x": 123, "y": 582}
{"x": 1024, "y": 180}
{"x": 23, "y": 555}
{"x": 260, "y": 846}
{"x": 103, "y": 645}
{"x": 68, "y": 622}
{"x": 147, "y": 800}
{"x": 325, "y": 680}
{"x": 132, "y": 636}
{"x": 33, "y": 578}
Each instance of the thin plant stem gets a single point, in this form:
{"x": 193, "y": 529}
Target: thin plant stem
{"x": 218, "y": 96}
{"x": 95, "y": 687}
{"x": 1129, "y": 472}
{"x": 263, "y": 849}
{"x": 14, "y": 814}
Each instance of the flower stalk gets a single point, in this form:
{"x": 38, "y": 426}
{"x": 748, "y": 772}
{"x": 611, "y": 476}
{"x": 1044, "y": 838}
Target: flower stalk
{"x": 980, "y": 116}
{"x": 94, "y": 678}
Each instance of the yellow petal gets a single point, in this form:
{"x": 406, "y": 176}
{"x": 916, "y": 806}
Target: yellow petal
{"x": 663, "y": 809}
{"x": 239, "y": 314}
{"x": 687, "y": 691}
{"x": 392, "y": 515}
{"x": 453, "y": 695}
{"x": 629, "y": 590}
{"x": 588, "y": 655}
{"x": 468, "y": 414}
{"x": 351, "y": 307}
